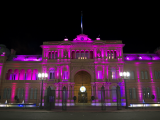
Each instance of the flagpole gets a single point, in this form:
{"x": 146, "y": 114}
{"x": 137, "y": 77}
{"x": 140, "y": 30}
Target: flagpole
{"x": 81, "y": 22}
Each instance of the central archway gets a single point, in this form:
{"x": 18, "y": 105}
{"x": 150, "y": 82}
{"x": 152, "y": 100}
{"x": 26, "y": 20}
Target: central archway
{"x": 82, "y": 78}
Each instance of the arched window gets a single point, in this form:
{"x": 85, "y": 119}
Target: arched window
{"x": 35, "y": 74}
{"x": 99, "y": 74}
{"x": 28, "y": 74}
{"x": 9, "y": 75}
{"x": 114, "y": 95}
{"x": 16, "y": 74}
{"x": 65, "y": 75}
{"x": 52, "y": 74}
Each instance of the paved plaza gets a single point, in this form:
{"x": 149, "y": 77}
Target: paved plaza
{"x": 124, "y": 114}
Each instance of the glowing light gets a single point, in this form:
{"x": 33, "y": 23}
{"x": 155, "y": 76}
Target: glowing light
{"x": 128, "y": 74}
{"x": 42, "y": 74}
{"x": 46, "y": 75}
{"x": 82, "y": 89}
{"x": 120, "y": 73}
{"x": 97, "y": 38}
{"x": 39, "y": 75}
{"x": 124, "y": 73}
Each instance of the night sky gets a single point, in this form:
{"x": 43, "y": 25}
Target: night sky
{"x": 25, "y": 28}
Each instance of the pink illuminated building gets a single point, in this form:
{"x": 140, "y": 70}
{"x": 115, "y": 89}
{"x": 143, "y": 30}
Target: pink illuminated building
{"x": 76, "y": 63}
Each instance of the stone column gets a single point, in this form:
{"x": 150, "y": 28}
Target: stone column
{"x": 31, "y": 75}
{"x": 117, "y": 73}
{"x": 68, "y": 91}
{"x": 73, "y": 91}
{"x": 75, "y": 54}
{"x": 92, "y": 89}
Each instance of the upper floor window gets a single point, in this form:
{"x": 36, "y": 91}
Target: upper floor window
{"x": 52, "y": 74}
{"x": 157, "y": 74}
{"x": 144, "y": 74}
{"x": 65, "y": 75}
{"x": 99, "y": 74}
{"x": 113, "y": 73}
{"x": 53, "y": 55}
{"x": 132, "y": 75}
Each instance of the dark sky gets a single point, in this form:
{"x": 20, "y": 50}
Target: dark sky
{"x": 25, "y": 27}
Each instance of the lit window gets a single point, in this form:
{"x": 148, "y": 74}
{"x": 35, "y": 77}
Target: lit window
{"x": 99, "y": 74}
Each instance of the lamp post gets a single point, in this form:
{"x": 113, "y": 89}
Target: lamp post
{"x": 125, "y": 76}
{"x": 42, "y": 76}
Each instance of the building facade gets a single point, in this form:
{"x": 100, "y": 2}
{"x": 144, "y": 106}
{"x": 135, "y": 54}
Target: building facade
{"x": 77, "y": 63}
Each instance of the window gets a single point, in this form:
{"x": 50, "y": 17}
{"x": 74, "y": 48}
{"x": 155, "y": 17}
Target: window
{"x": 20, "y": 93}
{"x": 56, "y": 55}
{"x": 115, "y": 56}
{"x": 52, "y": 74}
{"x": 113, "y": 73}
{"x": 99, "y": 74}
{"x": 114, "y": 95}
{"x": 52, "y": 55}
{"x": 77, "y": 55}
{"x": 144, "y": 74}
{"x": 35, "y": 93}
{"x": 49, "y": 55}
{"x": 108, "y": 55}
{"x": 158, "y": 92}
{"x": 7, "y": 93}
{"x": 86, "y": 54}
{"x": 132, "y": 75}
{"x": 31, "y": 93}
{"x": 65, "y": 75}
{"x": 132, "y": 93}
{"x": 157, "y": 74}
{"x": 146, "y": 93}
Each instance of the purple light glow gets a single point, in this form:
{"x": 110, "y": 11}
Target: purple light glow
{"x": 13, "y": 91}
{"x": 133, "y": 57}
{"x": 26, "y": 92}
{"x": 66, "y": 39}
{"x": 28, "y": 58}
{"x": 97, "y": 38}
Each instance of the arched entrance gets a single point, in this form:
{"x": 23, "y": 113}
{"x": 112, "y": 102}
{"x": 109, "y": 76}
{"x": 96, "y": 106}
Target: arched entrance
{"x": 82, "y": 78}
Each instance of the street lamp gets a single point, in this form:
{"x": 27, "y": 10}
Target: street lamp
{"x": 125, "y": 76}
{"x": 42, "y": 76}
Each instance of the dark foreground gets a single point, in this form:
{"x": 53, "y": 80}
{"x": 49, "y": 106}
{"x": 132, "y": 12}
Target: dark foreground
{"x": 53, "y": 115}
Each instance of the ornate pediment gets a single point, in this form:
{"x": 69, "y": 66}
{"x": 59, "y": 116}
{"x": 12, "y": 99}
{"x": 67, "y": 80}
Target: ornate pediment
{"x": 82, "y": 38}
